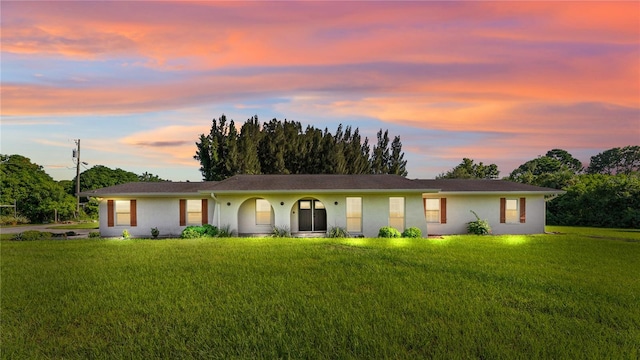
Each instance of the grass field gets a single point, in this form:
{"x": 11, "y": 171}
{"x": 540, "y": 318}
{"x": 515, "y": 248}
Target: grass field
{"x": 572, "y": 295}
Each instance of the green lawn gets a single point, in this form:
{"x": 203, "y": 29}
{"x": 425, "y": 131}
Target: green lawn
{"x": 572, "y": 295}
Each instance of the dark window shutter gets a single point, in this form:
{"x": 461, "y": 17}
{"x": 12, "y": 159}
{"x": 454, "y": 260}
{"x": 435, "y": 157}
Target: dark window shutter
{"x": 523, "y": 211}
{"x": 503, "y": 210}
{"x": 205, "y": 212}
{"x": 133, "y": 213}
{"x": 443, "y": 210}
{"x": 110, "y": 213}
{"x": 183, "y": 212}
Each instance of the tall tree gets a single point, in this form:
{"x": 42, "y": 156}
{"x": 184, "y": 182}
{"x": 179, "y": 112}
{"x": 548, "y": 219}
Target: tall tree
{"x": 270, "y": 149}
{"x": 250, "y": 136}
{"x": 283, "y": 148}
{"x": 624, "y": 160}
{"x": 380, "y": 156}
{"x": 397, "y": 163}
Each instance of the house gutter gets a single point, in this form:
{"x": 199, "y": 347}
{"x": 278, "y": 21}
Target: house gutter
{"x": 216, "y": 209}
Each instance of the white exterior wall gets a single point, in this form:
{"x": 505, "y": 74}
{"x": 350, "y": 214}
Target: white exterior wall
{"x": 238, "y": 211}
{"x": 487, "y": 207}
{"x": 160, "y": 212}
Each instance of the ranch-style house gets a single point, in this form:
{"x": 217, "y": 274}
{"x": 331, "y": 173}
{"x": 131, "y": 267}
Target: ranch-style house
{"x": 309, "y": 205}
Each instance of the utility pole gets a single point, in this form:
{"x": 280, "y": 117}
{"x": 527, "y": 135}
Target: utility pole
{"x": 77, "y": 156}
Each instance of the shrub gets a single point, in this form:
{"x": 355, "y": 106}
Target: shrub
{"x": 32, "y": 235}
{"x": 192, "y": 231}
{"x": 94, "y": 234}
{"x": 155, "y": 232}
{"x": 478, "y": 227}
{"x": 412, "y": 232}
{"x": 126, "y": 234}
{"x": 13, "y": 220}
{"x": 388, "y": 232}
{"x": 338, "y": 232}
{"x": 225, "y": 231}
{"x": 280, "y": 231}
{"x": 209, "y": 230}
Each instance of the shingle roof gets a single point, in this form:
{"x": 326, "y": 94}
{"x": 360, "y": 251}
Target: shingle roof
{"x": 476, "y": 185}
{"x": 320, "y": 182}
{"x": 141, "y": 188}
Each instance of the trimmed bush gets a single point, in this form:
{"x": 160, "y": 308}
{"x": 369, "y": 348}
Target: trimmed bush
{"x": 478, "y": 227}
{"x": 388, "y": 232}
{"x": 126, "y": 234}
{"x": 338, "y": 232}
{"x": 155, "y": 232}
{"x": 412, "y": 232}
{"x": 94, "y": 234}
{"x": 192, "y": 231}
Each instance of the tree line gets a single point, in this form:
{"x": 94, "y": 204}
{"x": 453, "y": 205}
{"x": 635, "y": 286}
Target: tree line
{"x": 606, "y": 193}
{"x": 39, "y": 198}
{"x": 284, "y": 147}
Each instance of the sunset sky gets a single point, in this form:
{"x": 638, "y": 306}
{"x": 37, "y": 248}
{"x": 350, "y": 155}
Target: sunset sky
{"x": 498, "y": 82}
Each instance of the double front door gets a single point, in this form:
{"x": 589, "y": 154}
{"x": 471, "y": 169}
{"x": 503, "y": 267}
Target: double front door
{"x": 312, "y": 216}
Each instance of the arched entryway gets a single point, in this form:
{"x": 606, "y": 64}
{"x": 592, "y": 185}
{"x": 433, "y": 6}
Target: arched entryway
{"x": 312, "y": 216}
{"x": 255, "y": 216}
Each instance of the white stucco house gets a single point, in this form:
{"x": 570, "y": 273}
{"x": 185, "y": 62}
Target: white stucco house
{"x": 311, "y": 204}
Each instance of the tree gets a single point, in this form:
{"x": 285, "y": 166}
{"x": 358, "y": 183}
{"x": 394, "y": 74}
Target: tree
{"x": 598, "y": 200}
{"x": 467, "y": 169}
{"x": 270, "y": 149}
{"x": 148, "y": 177}
{"x": 250, "y": 136}
{"x": 100, "y": 176}
{"x": 38, "y": 197}
{"x": 556, "y": 169}
{"x": 623, "y": 160}
{"x": 397, "y": 163}
{"x": 279, "y": 147}
{"x": 380, "y": 156}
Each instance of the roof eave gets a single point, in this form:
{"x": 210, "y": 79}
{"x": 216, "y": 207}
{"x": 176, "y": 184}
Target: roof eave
{"x": 319, "y": 191}
{"x": 504, "y": 192}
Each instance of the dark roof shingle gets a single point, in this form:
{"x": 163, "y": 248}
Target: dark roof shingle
{"x": 313, "y": 182}
{"x": 165, "y": 187}
{"x": 481, "y": 185}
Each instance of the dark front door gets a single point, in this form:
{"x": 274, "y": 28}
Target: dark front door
{"x": 319, "y": 216}
{"x": 312, "y": 216}
{"x": 305, "y": 215}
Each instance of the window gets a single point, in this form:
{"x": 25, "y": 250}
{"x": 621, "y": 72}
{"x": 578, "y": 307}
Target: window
{"x": 123, "y": 212}
{"x": 432, "y": 210}
{"x": 263, "y": 212}
{"x": 512, "y": 211}
{"x": 194, "y": 212}
{"x": 354, "y": 214}
{"x": 396, "y": 212}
